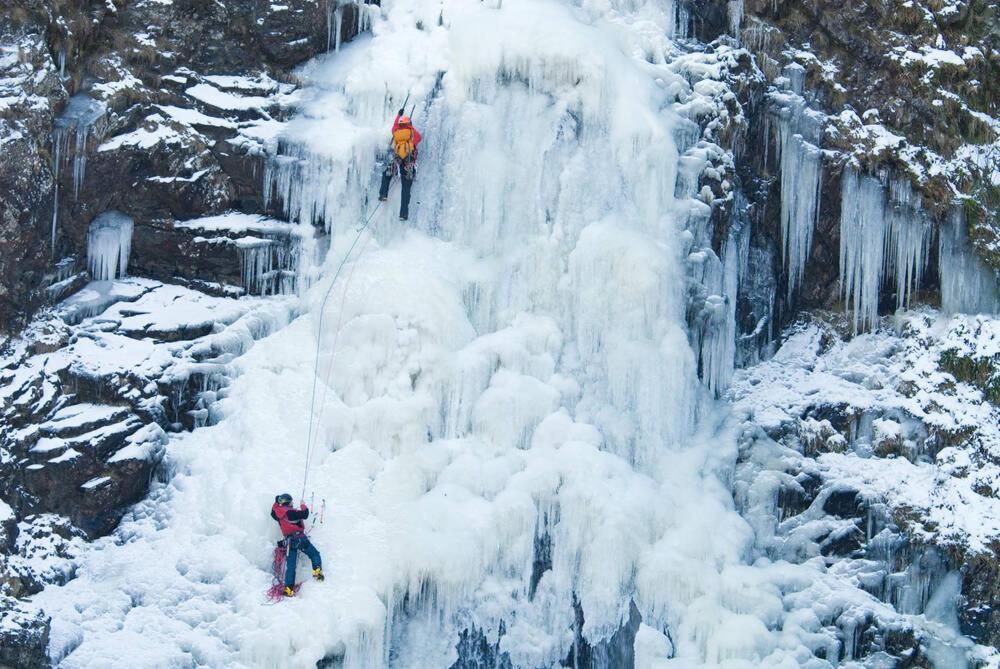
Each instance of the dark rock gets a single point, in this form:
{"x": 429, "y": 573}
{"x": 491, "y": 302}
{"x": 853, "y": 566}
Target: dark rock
{"x": 846, "y": 541}
{"x": 618, "y": 651}
{"x": 24, "y": 639}
{"x": 844, "y": 503}
{"x": 476, "y": 652}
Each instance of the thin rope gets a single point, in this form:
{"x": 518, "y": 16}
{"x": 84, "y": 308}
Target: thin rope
{"x": 319, "y": 337}
{"x": 336, "y": 334}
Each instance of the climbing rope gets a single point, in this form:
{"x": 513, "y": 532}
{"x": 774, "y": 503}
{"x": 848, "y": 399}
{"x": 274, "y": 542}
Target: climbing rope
{"x": 322, "y": 310}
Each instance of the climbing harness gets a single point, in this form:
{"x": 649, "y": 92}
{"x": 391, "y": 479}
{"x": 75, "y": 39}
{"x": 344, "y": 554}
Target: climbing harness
{"x": 410, "y": 169}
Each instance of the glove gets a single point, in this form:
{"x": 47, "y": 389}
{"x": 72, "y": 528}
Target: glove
{"x": 303, "y": 507}
{"x": 401, "y": 111}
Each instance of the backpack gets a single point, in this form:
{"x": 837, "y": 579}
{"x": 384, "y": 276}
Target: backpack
{"x": 402, "y": 141}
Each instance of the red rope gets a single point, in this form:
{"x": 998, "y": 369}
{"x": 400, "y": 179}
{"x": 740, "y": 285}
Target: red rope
{"x": 277, "y": 590}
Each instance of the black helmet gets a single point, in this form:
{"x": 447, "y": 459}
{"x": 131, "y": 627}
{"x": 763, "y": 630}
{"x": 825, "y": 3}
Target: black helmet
{"x": 284, "y": 499}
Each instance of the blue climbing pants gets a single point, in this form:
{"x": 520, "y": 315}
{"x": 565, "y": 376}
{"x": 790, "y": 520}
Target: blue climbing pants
{"x": 295, "y": 544}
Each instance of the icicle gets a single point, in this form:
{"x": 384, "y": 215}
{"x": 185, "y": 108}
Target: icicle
{"x": 338, "y": 24}
{"x": 880, "y": 234}
{"x": 269, "y": 266}
{"x": 681, "y": 16}
{"x": 735, "y": 12}
{"x": 72, "y": 130}
{"x": 257, "y": 263}
{"x": 967, "y": 284}
{"x": 910, "y": 234}
{"x": 796, "y": 75}
{"x": 57, "y": 141}
{"x": 80, "y": 159}
{"x": 800, "y": 163}
{"x": 801, "y": 170}
{"x": 109, "y": 243}
{"x": 862, "y": 245}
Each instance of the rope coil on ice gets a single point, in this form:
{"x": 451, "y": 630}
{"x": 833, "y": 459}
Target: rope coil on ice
{"x": 319, "y": 336}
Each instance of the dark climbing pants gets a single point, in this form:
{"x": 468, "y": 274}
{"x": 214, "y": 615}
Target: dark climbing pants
{"x": 407, "y": 174}
{"x": 296, "y": 544}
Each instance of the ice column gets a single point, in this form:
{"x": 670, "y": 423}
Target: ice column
{"x": 967, "y": 284}
{"x": 862, "y": 245}
{"x": 109, "y": 243}
{"x": 800, "y": 164}
{"x": 735, "y": 12}
{"x": 718, "y": 345}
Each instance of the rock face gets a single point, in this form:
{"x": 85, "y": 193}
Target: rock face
{"x": 26, "y": 180}
{"x": 184, "y": 97}
{"x": 868, "y": 455}
{"x": 165, "y": 111}
{"x": 89, "y": 393}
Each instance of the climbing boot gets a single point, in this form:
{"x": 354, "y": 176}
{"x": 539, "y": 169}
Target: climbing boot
{"x": 402, "y": 218}
{"x": 289, "y": 592}
{"x": 318, "y": 574}
{"x": 383, "y": 199}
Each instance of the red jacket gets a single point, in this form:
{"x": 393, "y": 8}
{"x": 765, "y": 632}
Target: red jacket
{"x": 416, "y": 133}
{"x": 289, "y": 519}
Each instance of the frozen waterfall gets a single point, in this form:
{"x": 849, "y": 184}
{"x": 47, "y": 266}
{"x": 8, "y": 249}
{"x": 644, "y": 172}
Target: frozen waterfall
{"x": 512, "y": 439}
{"x": 884, "y": 231}
{"x": 967, "y": 284}
{"x": 70, "y": 135}
{"x": 800, "y": 163}
{"x": 109, "y": 242}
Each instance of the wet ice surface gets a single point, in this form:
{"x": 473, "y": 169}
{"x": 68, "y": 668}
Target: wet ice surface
{"x": 514, "y": 367}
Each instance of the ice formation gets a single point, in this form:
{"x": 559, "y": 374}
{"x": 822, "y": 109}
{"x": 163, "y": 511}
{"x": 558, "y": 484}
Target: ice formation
{"x": 735, "y": 13}
{"x": 800, "y": 164}
{"x": 967, "y": 284}
{"x": 71, "y": 132}
{"x": 884, "y": 231}
{"x": 362, "y": 14}
{"x": 109, "y": 243}
{"x": 511, "y": 433}
{"x": 268, "y": 265}
{"x": 717, "y": 323}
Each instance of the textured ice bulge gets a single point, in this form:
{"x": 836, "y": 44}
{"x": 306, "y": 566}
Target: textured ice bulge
{"x": 109, "y": 243}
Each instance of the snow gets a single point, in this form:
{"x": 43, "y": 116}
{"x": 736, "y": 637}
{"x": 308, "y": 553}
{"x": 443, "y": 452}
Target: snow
{"x": 193, "y": 117}
{"x": 6, "y": 513}
{"x": 155, "y": 131}
{"x": 512, "y": 364}
{"x": 238, "y": 222}
{"x": 213, "y": 97}
{"x": 263, "y": 84}
{"x": 75, "y": 416}
{"x": 96, "y": 482}
{"x": 892, "y": 377}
